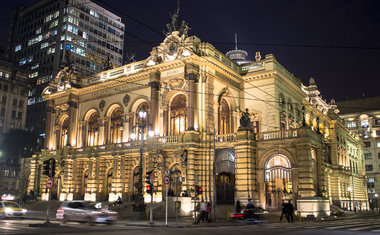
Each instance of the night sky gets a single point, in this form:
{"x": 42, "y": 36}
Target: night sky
{"x": 335, "y": 41}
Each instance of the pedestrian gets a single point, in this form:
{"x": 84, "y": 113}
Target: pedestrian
{"x": 238, "y": 207}
{"x": 208, "y": 212}
{"x": 283, "y": 211}
{"x": 118, "y": 201}
{"x": 203, "y": 210}
{"x": 290, "y": 211}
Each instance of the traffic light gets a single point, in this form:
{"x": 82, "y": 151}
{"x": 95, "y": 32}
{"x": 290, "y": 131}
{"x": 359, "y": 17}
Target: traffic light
{"x": 149, "y": 186}
{"x": 49, "y": 168}
{"x": 149, "y": 189}
{"x": 198, "y": 190}
{"x": 52, "y": 167}
{"x": 148, "y": 173}
{"x": 46, "y": 168}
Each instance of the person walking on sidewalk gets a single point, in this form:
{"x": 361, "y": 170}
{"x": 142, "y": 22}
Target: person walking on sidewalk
{"x": 283, "y": 211}
{"x": 290, "y": 211}
{"x": 203, "y": 211}
{"x": 208, "y": 211}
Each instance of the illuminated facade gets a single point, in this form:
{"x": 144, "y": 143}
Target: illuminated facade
{"x": 40, "y": 36}
{"x": 362, "y": 118}
{"x": 294, "y": 146}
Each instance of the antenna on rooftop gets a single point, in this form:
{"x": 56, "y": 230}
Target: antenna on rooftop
{"x": 236, "y": 41}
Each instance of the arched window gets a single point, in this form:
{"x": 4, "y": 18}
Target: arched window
{"x": 93, "y": 130}
{"x": 137, "y": 117}
{"x": 116, "y": 126}
{"x": 364, "y": 121}
{"x": 64, "y": 130}
{"x": 224, "y": 118}
{"x": 178, "y": 115}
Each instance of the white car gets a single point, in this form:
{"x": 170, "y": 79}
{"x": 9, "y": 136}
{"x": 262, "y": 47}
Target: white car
{"x": 9, "y": 209}
{"x": 82, "y": 211}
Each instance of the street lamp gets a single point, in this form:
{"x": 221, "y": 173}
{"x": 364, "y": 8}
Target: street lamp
{"x": 376, "y": 195}
{"x": 139, "y": 204}
{"x": 349, "y": 195}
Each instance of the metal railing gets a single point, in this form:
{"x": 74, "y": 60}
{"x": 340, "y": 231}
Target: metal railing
{"x": 273, "y": 135}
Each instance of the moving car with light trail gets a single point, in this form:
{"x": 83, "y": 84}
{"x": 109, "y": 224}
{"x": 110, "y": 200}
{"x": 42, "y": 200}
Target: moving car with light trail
{"x": 10, "y": 209}
{"x": 82, "y": 211}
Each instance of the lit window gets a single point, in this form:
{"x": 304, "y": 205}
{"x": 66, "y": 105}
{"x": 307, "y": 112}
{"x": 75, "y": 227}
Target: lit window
{"x": 378, "y": 144}
{"x": 371, "y": 180}
{"x": 6, "y": 173}
{"x": 18, "y": 47}
{"x": 364, "y": 121}
{"x": 6, "y": 75}
{"x": 45, "y": 44}
{"x": 351, "y": 124}
{"x": 38, "y": 31}
{"x": 51, "y": 50}
{"x": 35, "y": 66}
{"x": 30, "y": 59}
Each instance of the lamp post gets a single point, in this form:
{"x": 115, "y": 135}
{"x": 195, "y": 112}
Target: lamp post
{"x": 139, "y": 204}
{"x": 376, "y": 196}
{"x": 349, "y": 196}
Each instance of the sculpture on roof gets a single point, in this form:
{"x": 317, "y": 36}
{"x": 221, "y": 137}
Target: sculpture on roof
{"x": 173, "y": 25}
{"x": 245, "y": 121}
{"x": 130, "y": 57}
{"x": 107, "y": 65}
{"x": 68, "y": 63}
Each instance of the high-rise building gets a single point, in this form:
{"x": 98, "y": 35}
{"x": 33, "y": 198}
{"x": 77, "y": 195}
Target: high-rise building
{"x": 362, "y": 118}
{"x": 41, "y": 35}
{"x": 13, "y": 95}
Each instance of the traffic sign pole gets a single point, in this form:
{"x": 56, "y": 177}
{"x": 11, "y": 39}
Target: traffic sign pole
{"x": 166, "y": 209}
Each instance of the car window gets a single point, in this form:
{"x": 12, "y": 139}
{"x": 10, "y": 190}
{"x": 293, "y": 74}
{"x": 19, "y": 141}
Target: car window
{"x": 72, "y": 205}
{"x": 11, "y": 204}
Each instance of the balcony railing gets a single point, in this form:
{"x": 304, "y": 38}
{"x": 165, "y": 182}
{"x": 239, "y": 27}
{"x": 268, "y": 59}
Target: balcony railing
{"x": 273, "y": 135}
{"x": 226, "y": 138}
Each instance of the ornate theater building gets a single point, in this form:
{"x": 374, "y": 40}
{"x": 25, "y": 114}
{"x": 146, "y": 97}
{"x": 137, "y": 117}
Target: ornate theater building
{"x": 251, "y": 126}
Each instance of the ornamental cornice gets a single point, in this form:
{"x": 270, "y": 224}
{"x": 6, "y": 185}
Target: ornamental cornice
{"x": 217, "y": 65}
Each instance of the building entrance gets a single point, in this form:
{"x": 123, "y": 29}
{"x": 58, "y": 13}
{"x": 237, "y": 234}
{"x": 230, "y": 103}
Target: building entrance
{"x": 225, "y": 176}
{"x": 278, "y": 185}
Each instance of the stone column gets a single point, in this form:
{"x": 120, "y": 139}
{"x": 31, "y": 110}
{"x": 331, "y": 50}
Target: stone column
{"x": 71, "y": 129}
{"x": 192, "y": 100}
{"x": 245, "y": 164}
{"x": 49, "y": 120}
{"x": 154, "y": 83}
{"x": 125, "y": 135}
{"x": 101, "y": 136}
{"x": 165, "y": 126}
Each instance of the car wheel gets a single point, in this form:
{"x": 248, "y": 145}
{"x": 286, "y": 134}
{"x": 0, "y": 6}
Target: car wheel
{"x": 89, "y": 221}
{"x": 64, "y": 220}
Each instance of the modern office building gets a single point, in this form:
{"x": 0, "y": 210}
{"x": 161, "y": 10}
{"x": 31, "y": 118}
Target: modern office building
{"x": 275, "y": 137}
{"x": 40, "y": 36}
{"x": 362, "y": 118}
{"x": 14, "y": 95}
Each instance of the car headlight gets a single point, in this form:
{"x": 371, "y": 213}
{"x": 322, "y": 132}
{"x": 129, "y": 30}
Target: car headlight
{"x": 24, "y": 211}
{"x": 8, "y": 210}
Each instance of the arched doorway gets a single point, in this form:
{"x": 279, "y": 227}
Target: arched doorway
{"x": 225, "y": 176}
{"x": 278, "y": 185}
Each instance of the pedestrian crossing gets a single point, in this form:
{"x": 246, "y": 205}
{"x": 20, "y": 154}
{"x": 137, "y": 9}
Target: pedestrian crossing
{"x": 362, "y": 224}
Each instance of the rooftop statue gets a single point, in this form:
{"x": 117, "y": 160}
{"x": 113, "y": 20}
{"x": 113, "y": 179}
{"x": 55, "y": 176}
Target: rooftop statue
{"x": 245, "y": 121}
{"x": 107, "y": 64}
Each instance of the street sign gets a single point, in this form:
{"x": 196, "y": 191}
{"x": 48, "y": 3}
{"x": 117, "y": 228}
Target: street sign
{"x": 166, "y": 180}
{"x": 49, "y": 183}
{"x": 167, "y": 172}
{"x": 181, "y": 179}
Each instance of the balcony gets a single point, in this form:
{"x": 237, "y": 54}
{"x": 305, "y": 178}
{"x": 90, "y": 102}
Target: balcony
{"x": 275, "y": 135}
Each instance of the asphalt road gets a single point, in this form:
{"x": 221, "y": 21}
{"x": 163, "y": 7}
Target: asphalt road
{"x": 347, "y": 226}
